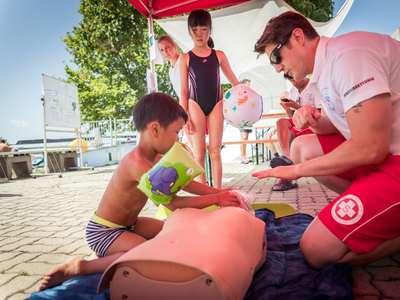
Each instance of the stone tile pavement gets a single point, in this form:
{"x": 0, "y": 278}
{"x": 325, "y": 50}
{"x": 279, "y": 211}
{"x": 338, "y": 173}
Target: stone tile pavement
{"x": 43, "y": 220}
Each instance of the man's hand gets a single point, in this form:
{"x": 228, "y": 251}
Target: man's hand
{"x": 306, "y": 116}
{"x": 284, "y": 173}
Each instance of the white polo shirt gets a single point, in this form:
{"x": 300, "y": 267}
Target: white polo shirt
{"x": 175, "y": 77}
{"x": 355, "y": 67}
{"x": 305, "y": 97}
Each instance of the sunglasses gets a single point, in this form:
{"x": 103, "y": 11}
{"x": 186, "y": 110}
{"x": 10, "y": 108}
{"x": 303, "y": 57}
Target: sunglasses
{"x": 275, "y": 58}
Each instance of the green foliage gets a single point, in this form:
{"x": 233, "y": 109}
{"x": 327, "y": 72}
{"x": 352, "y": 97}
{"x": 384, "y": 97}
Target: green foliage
{"x": 23, "y": 273}
{"x": 110, "y": 48}
{"x": 225, "y": 87}
{"x": 317, "y": 10}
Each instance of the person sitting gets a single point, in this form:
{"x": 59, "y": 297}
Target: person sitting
{"x": 4, "y": 147}
{"x": 244, "y": 135}
{"x": 116, "y": 227}
{"x": 286, "y": 131}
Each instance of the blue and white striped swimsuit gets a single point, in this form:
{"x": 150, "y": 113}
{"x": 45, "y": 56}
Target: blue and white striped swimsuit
{"x": 100, "y": 234}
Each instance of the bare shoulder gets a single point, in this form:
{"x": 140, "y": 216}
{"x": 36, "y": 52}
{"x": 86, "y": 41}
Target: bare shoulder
{"x": 221, "y": 56}
{"x": 133, "y": 165}
{"x": 220, "y": 53}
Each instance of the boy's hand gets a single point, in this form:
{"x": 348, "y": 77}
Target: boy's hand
{"x": 227, "y": 199}
{"x": 228, "y": 189}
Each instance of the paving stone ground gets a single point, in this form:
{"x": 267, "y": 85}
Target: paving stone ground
{"x": 43, "y": 220}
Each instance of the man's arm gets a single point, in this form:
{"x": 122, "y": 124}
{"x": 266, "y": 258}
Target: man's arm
{"x": 370, "y": 126}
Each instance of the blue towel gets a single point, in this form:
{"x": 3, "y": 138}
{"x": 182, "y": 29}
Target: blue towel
{"x": 285, "y": 274}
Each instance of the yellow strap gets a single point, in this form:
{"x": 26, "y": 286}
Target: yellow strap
{"x": 104, "y": 222}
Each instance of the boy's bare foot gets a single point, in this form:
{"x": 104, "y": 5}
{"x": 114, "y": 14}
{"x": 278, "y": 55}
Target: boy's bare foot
{"x": 65, "y": 271}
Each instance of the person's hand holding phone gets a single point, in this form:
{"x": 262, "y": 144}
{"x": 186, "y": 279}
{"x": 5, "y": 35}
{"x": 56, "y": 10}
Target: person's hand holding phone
{"x": 288, "y": 103}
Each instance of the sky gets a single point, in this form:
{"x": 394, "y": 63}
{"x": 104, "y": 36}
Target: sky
{"x": 30, "y": 45}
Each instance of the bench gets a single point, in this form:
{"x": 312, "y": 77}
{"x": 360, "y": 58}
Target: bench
{"x": 59, "y": 161}
{"x": 21, "y": 163}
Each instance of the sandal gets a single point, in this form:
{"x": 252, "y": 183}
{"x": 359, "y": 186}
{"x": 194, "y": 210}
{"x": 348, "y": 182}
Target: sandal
{"x": 287, "y": 185}
{"x": 280, "y": 161}
{"x": 246, "y": 161}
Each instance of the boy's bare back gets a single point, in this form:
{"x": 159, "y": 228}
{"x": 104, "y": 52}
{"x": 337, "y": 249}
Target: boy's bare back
{"x": 122, "y": 200}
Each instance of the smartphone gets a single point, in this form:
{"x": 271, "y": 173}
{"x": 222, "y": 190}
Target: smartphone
{"x": 285, "y": 100}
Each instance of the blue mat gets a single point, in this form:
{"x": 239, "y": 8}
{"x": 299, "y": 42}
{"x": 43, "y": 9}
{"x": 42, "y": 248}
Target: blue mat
{"x": 285, "y": 274}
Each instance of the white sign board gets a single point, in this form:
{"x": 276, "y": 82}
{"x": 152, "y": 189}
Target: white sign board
{"x": 62, "y": 107}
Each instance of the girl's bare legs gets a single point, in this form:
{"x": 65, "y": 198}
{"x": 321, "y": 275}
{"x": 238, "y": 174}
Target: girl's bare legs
{"x": 215, "y": 131}
{"x": 199, "y": 142}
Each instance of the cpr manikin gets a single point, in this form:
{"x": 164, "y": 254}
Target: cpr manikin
{"x": 199, "y": 254}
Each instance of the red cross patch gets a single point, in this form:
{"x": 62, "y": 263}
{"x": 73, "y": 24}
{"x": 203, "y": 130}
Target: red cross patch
{"x": 347, "y": 210}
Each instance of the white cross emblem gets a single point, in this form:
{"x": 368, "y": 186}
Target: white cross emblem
{"x": 347, "y": 210}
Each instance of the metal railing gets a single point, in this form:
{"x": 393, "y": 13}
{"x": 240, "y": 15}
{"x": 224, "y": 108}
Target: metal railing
{"x": 109, "y": 132}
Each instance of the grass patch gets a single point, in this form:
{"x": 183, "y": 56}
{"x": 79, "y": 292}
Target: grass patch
{"x": 23, "y": 273}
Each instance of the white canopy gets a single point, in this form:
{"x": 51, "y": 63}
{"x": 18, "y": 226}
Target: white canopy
{"x": 235, "y": 31}
{"x": 396, "y": 34}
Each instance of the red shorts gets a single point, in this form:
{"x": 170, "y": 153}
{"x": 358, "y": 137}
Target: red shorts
{"x": 299, "y": 132}
{"x": 330, "y": 142}
{"x": 367, "y": 214}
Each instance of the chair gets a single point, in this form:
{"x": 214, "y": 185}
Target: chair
{"x": 37, "y": 163}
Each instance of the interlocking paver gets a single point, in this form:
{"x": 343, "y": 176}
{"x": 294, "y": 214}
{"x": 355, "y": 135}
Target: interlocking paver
{"x": 43, "y": 221}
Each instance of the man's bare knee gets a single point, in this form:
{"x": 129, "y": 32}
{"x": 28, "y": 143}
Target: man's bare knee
{"x": 320, "y": 247}
{"x": 282, "y": 123}
{"x": 215, "y": 154}
{"x": 304, "y": 148}
{"x": 311, "y": 254}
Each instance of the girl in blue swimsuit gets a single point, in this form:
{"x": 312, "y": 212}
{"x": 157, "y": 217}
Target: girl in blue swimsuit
{"x": 201, "y": 92}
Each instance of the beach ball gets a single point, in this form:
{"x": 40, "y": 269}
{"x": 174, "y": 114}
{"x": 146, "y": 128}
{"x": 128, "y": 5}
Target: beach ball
{"x": 242, "y": 106}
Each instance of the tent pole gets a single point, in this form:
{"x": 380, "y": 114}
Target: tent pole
{"x": 152, "y": 62}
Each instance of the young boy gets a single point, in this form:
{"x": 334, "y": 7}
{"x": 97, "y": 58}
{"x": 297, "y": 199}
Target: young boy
{"x": 115, "y": 227}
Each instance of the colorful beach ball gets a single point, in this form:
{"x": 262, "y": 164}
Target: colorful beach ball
{"x": 242, "y": 106}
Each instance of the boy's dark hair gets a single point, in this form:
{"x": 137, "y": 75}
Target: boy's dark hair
{"x": 199, "y": 17}
{"x": 157, "y": 107}
{"x": 280, "y": 27}
{"x": 3, "y": 141}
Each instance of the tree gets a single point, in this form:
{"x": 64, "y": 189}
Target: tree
{"x": 316, "y": 10}
{"x": 110, "y": 50}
